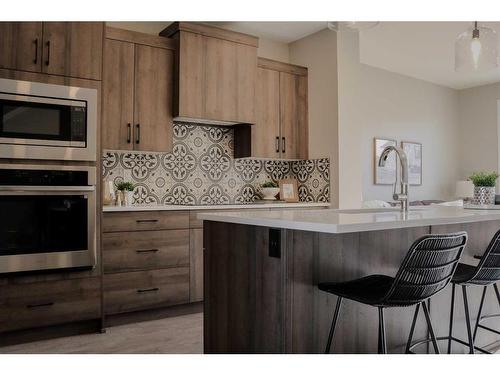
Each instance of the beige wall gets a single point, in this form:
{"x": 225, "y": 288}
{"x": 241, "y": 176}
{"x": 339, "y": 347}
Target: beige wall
{"x": 318, "y": 52}
{"x": 479, "y": 129}
{"x": 377, "y": 103}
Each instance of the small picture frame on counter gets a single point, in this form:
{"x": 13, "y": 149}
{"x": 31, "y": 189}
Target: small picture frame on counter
{"x": 289, "y": 191}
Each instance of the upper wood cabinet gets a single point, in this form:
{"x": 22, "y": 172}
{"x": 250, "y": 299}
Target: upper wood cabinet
{"x": 216, "y": 72}
{"x": 281, "y": 129}
{"x": 71, "y": 49}
{"x": 137, "y": 92}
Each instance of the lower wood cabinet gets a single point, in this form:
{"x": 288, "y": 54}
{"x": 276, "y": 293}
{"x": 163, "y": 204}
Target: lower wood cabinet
{"x": 132, "y": 291}
{"x": 196, "y": 265}
{"x": 40, "y": 304}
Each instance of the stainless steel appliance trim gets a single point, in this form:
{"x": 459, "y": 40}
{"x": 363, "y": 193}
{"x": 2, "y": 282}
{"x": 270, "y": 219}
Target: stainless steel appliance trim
{"x": 43, "y": 99}
{"x": 46, "y": 151}
{"x": 40, "y": 142}
{"x": 64, "y": 259}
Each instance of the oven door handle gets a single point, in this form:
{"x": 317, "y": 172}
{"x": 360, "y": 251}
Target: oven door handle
{"x": 47, "y": 188}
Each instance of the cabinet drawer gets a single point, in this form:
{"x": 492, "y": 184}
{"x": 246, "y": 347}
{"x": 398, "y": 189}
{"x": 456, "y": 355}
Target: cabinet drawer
{"x": 49, "y": 303}
{"x": 137, "y": 221}
{"x": 132, "y": 251}
{"x": 140, "y": 290}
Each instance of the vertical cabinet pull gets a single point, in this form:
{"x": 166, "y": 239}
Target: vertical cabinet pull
{"x": 138, "y": 135}
{"x": 35, "y": 60}
{"x": 129, "y": 132}
{"x": 47, "y": 62}
{"x": 283, "y": 144}
{"x": 277, "y": 144}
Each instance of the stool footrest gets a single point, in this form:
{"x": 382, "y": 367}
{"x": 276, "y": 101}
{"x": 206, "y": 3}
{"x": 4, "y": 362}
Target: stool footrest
{"x": 423, "y": 341}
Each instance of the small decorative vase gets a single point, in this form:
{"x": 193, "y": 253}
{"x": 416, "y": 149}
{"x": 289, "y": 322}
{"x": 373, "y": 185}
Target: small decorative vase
{"x": 270, "y": 193}
{"x": 484, "y": 195}
{"x": 129, "y": 197}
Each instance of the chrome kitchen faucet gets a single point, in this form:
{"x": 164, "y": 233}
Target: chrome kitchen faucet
{"x": 402, "y": 196}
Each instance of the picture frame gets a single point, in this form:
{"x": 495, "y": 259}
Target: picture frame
{"x": 413, "y": 151}
{"x": 289, "y": 191}
{"x": 384, "y": 175}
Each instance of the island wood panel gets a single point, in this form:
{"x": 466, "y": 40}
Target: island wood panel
{"x": 118, "y": 95}
{"x": 73, "y": 49}
{"x": 21, "y": 46}
{"x": 135, "y": 251}
{"x": 479, "y": 236}
{"x": 154, "y": 71}
{"x": 266, "y": 131}
{"x": 48, "y": 303}
{"x": 132, "y": 291}
{"x": 196, "y": 265}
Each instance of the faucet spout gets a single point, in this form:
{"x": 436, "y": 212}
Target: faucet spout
{"x": 402, "y": 196}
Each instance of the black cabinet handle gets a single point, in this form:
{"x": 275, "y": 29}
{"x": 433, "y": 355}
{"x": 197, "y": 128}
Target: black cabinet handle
{"x": 148, "y": 290}
{"x": 129, "y": 132}
{"x": 277, "y": 144}
{"x": 35, "y": 60}
{"x": 34, "y": 306}
{"x": 283, "y": 144}
{"x": 147, "y": 251}
{"x": 138, "y": 137}
{"x": 146, "y": 221}
{"x": 47, "y": 62}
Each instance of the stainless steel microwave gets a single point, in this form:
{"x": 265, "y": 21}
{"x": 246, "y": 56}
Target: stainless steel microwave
{"x": 44, "y": 121}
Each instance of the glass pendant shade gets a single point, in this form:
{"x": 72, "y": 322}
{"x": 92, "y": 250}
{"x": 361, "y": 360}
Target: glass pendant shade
{"x": 476, "y": 50}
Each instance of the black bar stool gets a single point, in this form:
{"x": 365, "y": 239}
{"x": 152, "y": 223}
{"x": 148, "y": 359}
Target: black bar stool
{"x": 485, "y": 274}
{"x": 426, "y": 270}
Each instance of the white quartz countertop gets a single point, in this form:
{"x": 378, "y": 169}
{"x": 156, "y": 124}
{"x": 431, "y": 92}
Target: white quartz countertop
{"x": 347, "y": 221}
{"x": 171, "y": 207}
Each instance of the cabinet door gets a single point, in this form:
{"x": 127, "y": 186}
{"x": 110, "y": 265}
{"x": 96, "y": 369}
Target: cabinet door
{"x": 118, "y": 95}
{"x": 196, "y": 265}
{"x": 266, "y": 131}
{"x": 153, "y": 98}
{"x": 229, "y": 85}
{"x": 293, "y": 114}
{"x": 21, "y": 45}
{"x": 73, "y": 49}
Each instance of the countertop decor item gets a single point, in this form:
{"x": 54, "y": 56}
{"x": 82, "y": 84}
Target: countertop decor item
{"x": 484, "y": 187}
{"x": 125, "y": 193}
{"x": 288, "y": 190}
{"x": 269, "y": 190}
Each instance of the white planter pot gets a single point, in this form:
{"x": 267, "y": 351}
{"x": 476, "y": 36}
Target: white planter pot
{"x": 269, "y": 194}
{"x": 129, "y": 197}
{"x": 483, "y": 195}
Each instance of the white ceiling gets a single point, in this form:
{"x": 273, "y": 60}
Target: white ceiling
{"x": 423, "y": 50}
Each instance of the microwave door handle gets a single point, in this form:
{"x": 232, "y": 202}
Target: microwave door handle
{"x": 47, "y": 188}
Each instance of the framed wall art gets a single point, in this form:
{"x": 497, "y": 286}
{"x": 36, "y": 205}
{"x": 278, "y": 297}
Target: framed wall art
{"x": 288, "y": 190}
{"x": 413, "y": 151}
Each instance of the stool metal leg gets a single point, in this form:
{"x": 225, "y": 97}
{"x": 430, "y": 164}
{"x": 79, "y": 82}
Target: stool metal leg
{"x": 334, "y": 325}
{"x": 467, "y": 320}
{"x": 382, "y": 339}
{"x": 450, "y": 330}
{"x": 431, "y": 330}
{"x": 497, "y": 293}
{"x": 412, "y": 329}
{"x": 479, "y": 313}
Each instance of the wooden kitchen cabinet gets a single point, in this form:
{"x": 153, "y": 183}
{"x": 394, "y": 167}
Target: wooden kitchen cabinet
{"x": 137, "y": 92}
{"x": 21, "y": 46}
{"x": 70, "y": 49}
{"x": 216, "y": 70}
{"x": 196, "y": 265}
{"x": 281, "y": 128}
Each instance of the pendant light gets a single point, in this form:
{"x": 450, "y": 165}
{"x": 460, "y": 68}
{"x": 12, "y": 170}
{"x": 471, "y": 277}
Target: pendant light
{"x": 476, "y": 49}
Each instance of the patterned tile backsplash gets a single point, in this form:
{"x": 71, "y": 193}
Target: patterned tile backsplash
{"x": 201, "y": 170}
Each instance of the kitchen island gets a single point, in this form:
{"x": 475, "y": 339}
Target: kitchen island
{"x": 261, "y": 271}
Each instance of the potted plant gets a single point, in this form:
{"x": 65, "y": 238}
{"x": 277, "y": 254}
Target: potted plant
{"x": 484, "y": 187}
{"x": 125, "y": 192}
{"x": 269, "y": 190}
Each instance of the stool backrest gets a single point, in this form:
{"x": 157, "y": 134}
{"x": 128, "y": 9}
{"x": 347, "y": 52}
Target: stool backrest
{"x": 488, "y": 269}
{"x": 427, "y": 268}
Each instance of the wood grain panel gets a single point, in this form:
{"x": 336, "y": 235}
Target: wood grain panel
{"x": 153, "y": 98}
{"x": 133, "y": 251}
{"x": 139, "y": 38}
{"x": 118, "y": 95}
{"x": 281, "y": 66}
{"x": 21, "y": 46}
{"x": 144, "y": 220}
{"x": 73, "y": 49}
{"x": 196, "y": 265}
{"x": 131, "y": 291}
{"x": 266, "y": 131}
{"x": 48, "y": 303}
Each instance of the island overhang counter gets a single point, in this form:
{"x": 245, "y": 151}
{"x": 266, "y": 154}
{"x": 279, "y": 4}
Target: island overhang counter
{"x": 261, "y": 271}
